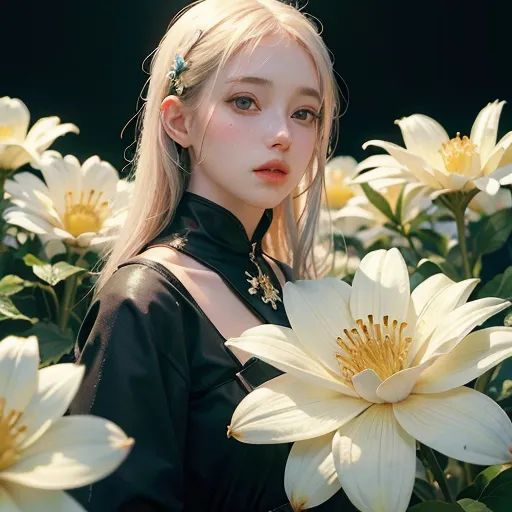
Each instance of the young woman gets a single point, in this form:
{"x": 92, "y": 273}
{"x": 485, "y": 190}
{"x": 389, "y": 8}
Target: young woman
{"x": 229, "y": 176}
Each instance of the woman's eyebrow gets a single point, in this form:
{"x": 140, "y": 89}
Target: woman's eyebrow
{"x": 302, "y": 90}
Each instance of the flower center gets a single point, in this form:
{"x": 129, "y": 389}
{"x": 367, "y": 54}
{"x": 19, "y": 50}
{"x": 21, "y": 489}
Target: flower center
{"x": 459, "y": 155}
{"x": 10, "y": 432}
{"x": 5, "y": 132}
{"x": 84, "y": 217}
{"x": 381, "y": 348}
{"x": 337, "y": 192}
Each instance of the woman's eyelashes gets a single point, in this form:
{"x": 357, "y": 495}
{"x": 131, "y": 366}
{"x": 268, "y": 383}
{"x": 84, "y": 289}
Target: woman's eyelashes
{"x": 243, "y": 103}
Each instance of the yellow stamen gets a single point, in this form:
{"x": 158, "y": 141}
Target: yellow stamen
{"x": 10, "y": 433}
{"x": 337, "y": 193}
{"x": 381, "y": 348}
{"x": 460, "y": 155}
{"x": 83, "y": 217}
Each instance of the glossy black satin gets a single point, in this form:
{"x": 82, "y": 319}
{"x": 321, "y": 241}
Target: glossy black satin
{"x": 158, "y": 367}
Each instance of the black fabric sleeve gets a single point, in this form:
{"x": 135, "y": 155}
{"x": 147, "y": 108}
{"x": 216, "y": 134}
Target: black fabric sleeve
{"x": 132, "y": 344}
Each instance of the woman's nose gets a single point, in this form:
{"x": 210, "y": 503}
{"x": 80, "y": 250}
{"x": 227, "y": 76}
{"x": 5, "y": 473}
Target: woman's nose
{"x": 279, "y": 137}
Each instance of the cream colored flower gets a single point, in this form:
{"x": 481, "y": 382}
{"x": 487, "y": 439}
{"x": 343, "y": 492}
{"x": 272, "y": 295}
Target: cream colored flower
{"x": 445, "y": 164}
{"x": 82, "y": 206}
{"x": 41, "y": 452}
{"x": 338, "y": 172}
{"x": 485, "y": 204}
{"x": 17, "y": 147}
{"x": 370, "y": 369}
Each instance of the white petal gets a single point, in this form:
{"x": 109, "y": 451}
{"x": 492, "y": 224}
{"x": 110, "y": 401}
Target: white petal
{"x": 504, "y": 174}
{"x": 421, "y": 169}
{"x": 44, "y": 141}
{"x": 280, "y": 347}
{"x": 310, "y": 477}
{"x": 28, "y": 221}
{"x": 473, "y": 356}
{"x": 15, "y": 114}
{"x": 75, "y": 451}
{"x": 375, "y": 460}
{"x": 38, "y": 500}
{"x": 318, "y": 313}
{"x": 19, "y": 360}
{"x": 460, "y": 322}
{"x": 366, "y": 384}
{"x": 424, "y": 136}
{"x": 378, "y": 161}
{"x": 56, "y": 388}
{"x": 285, "y": 409}
{"x": 401, "y": 174}
{"x": 485, "y": 128}
{"x": 443, "y": 302}
{"x": 488, "y": 185}
{"x": 399, "y": 386}
{"x": 381, "y": 287}
{"x": 424, "y": 292}
{"x": 498, "y": 153}
{"x": 461, "y": 423}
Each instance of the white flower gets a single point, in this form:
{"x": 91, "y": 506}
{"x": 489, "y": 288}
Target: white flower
{"x": 485, "y": 204}
{"x": 457, "y": 164}
{"x": 41, "y": 452}
{"x": 80, "y": 205}
{"x": 338, "y": 172}
{"x": 17, "y": 147}
{"x": 370, "y": 369}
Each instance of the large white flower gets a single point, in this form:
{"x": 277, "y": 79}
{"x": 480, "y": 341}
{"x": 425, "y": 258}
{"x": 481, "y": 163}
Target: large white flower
{"x": 82, "y": 206}
{"x": 446, "y": 164}
{"x": 17, "y": 147}
{"x": 370, "y": 369}
{"x": 41, "y": 452}
{"x": 485, "y": 204}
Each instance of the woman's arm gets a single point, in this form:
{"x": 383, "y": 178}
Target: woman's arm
{"x": 139, "y": 380}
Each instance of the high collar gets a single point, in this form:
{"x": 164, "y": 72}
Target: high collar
{"x": 217, "y": 226}
{"x": 216, "y": 238}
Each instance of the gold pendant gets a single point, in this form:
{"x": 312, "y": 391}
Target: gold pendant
{"x": 263, "y": 284}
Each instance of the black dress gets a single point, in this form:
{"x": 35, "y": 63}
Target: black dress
{"x": 158, "y": 367}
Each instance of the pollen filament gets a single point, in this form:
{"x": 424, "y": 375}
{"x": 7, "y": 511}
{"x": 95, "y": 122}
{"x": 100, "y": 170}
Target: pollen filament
{"x": 460, "y": 155}
{"x": 381, "y": 348}
{"x": 85, "y": 216}
{"x": 10, "y": 433}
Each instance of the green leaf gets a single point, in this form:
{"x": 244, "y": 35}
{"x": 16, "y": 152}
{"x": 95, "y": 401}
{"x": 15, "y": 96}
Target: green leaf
{"x": 53, "y": 274}
{"x": 378, "y": 200}
{"x": 432, "y": 240}
{"x": 30, "y": 260}
{"x": 399, "y": 204}
{"x": 8, "y": 311}
{"x": 497, "y": 495}
{"x": 492, "y": 232}
{"x": 436, "y": 506}
{"x": 475, "y": 490}
{"x": 470, "y": 505}
{"x": 11, "y": 284}
{"x": 499, "y": 286}
{"x": 53, "y": 343}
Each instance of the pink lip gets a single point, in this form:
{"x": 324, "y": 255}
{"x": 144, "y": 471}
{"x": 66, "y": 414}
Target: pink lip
{"x": 280, "y": 165}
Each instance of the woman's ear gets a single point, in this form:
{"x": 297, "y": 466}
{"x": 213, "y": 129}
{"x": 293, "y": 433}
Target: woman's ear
{"x": 174, "y": 120}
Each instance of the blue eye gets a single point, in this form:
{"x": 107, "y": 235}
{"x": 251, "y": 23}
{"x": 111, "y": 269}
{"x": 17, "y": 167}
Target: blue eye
{"x": 240, "y": 101}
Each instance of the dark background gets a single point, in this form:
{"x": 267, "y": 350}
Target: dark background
{"x": 82, "y": 62}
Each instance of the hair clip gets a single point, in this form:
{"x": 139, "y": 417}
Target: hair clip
{"x": 174, "y": 75}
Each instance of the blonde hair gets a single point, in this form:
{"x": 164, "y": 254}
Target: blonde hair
{"x": 207, "y": 33}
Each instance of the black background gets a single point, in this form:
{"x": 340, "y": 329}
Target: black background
{"x": 82, "y": 62}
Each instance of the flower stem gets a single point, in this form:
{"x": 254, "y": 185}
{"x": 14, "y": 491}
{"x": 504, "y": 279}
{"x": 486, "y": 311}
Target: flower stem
{"x": 483, "y": 381}
{"x": 68, "y": 298}
{"x": 461, "y": 233}
{"x": 433, "y": 464}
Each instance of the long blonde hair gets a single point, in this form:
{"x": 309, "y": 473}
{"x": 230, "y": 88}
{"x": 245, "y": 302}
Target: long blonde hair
{"x": 207, "y": 33}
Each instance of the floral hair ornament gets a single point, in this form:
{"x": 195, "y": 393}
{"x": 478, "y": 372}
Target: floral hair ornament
{"x": 174, "y": 75}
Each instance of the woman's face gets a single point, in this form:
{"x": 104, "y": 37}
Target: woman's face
{"x": 262, "y": 112}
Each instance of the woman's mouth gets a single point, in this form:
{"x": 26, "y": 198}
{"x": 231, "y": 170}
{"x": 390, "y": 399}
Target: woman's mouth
{"x": 271, "y": 175}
